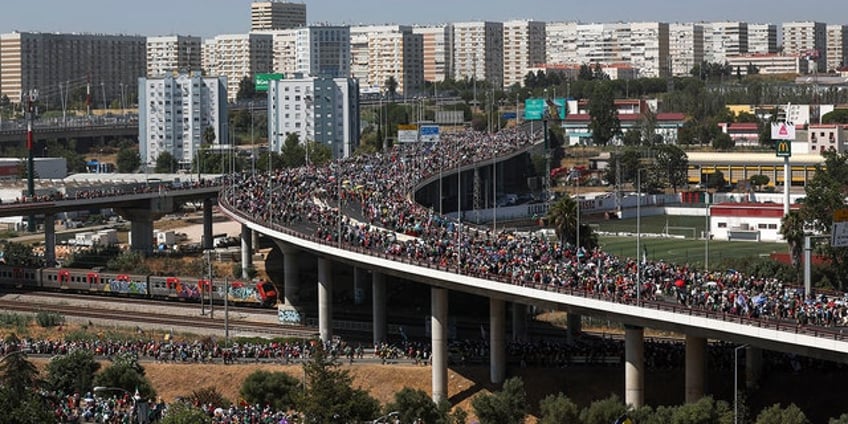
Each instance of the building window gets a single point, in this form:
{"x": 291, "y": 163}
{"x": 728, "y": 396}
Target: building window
{"x": 722, "y": 225}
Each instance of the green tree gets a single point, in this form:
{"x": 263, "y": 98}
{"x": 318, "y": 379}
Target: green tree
{"x": 671, "y": 165}
{"x": 603, "y": 411}
{"x": 825, "y": 193}
{"x": 128, "y": 160}
{"x": 632, "y": 137}
{"x": 318, "y": 153}
{"x": 562, "y": 216}
{"x": 18, "y": 254}
{"x": 18, "y": 375}
{"x": 585, "y": 73}
{"x": 24, "y": 407}
{"x": 843, "y": 419}
{"x": 716, "y": 180}
{"x": 792, "y": 230}
{"x": 329, "y": 396}
{"x": 183, "y": 413}
{"x": 293, "y": 153}
{"x": 759, "y": 180}
{"x": 775, "y": 414}
{"x": 723, "y": 141}
{"x": 603, "y": 122}
{"x": 126, "y": 373}
{"x": 166, "y": 163}
{"x": 704, "y": 411}
{"x": 72, "y": 372}
{"x": 507, "y": 406}
{"x": 270, "y": 388}
{"x": 391, "y": 87}
{"x": 209, "y": 135}
{"x": 247, "y": 90}
{"x": 415, "y": 404}
{"x": 837, "y": 116}
{"x": 557, "y": 409}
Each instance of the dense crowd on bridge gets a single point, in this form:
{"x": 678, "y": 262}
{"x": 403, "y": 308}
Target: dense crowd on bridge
{"x": 104, "y": 190}
{"x": 365, "y": 202}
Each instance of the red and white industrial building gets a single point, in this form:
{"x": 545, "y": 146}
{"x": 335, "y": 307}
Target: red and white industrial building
{"x": 747, "y": 221}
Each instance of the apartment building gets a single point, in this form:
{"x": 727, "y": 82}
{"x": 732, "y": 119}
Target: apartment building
{"x": 168, "y": 54}
{"x": 837, "y": 47}
{"x": 685, "y": 47}
{"x": 769, "y": 63}
{"x": 762, "y": 38}
{"x": 398, "y": 55}
{"x": 478, "y": 51}
{"x": 178, "y": 114}
{"x": 603, "y": 43}
{"x": 284, "y": 43}
{"x": 723, "y": 39}
{"x": 808, "y": 39}
{"x": 238, "y": 56}
{"x": 323, "y": 51}
{"x": 273, "y": 15}
{"x": 362, "y": 38}
{"x": 561, "y": 48}
{"x": 649, "y": 49}
{"x": 111, "y": 64}
{"x": 321, "y": 109}
{"x": 523, "y": 48}
{"x": 437, "y": 51}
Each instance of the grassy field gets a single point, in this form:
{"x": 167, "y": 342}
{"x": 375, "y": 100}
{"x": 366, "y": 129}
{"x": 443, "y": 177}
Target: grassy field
{"x": 690, "y": 250}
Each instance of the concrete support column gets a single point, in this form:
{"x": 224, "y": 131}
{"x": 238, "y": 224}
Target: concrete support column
{"x": 207, "y": 225}
{"x": 634, "y": 366}
{"x": 50, "y": 240}
{"x": 753, "y": 366}
{"x": 360, "y": 275}
{"x": 246, "y": 249}
{"x": 696, "y": 362}
{"x": 519, "y": 322}
{"x": 439, "y": 342}
{"x": 497, "y": 347}
{"x": 291, "y": 274}
{"x": 575, "y": 326}
{"x": 141, "y": 226}
{"x": 325, "y": 299}
{"x": 378, "y": 299}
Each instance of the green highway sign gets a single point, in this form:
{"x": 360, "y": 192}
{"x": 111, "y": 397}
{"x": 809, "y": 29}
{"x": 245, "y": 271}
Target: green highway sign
{"x": 534, "y": 109}
{"x": 261, "y": 81}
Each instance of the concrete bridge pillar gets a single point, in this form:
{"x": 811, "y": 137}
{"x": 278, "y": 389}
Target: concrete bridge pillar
{"x": 325, "y": 299}
{"x": 378, "y": 299}
{"x": 519, "y": 322}
{"x": 634, "y": 366}
{"x": 246, "y": 250}
{"x": 438, "y": 340}
{"x": 360, "y": 275}
{"x": 497, "y": 347}
{"x": 208, "y": 242}
{"x": 50, "y": 240}
{"x": 291, "y": 274}
{"x": 695, "y": 367}
{"x": 575, "y": 326}
{"x": 753, "y": 366}
{"x": 141, "y": 229}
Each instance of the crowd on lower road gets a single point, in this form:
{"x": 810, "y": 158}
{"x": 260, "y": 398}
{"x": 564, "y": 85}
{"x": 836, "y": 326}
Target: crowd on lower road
{"x": 365, "y": 202}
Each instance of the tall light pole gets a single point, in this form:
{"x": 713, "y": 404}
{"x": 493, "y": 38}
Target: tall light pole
{"x": 707, "y": 231}
{"x": 638, "y": 235}
{"x": 736, "y": 382}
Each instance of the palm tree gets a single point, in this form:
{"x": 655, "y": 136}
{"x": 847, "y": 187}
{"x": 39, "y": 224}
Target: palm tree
{"x": 562, "y": 215}
{"x": 792, "y": 230}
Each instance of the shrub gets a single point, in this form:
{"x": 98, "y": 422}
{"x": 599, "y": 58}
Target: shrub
{"x": 49, "y": 319}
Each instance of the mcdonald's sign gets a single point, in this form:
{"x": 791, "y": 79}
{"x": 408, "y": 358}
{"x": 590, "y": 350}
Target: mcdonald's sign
{"x": 783, "y": 148}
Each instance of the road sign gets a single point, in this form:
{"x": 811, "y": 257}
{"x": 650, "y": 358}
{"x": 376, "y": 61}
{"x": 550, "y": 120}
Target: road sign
{"x": 407, "y": 133}
{"x": 534, "y": 109}
{"x": 562, "y": 109}
{"x": 261, "y": 81}
{"x": 839, "y": 230}
{"x": 508, "y": 115}
{"x": 783, "y": 148}
{"x": 429, "y": 134}
{"x": 782, "y": 131}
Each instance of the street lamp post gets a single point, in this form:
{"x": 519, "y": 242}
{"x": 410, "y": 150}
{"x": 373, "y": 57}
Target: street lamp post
{"x": 736, "y": 382}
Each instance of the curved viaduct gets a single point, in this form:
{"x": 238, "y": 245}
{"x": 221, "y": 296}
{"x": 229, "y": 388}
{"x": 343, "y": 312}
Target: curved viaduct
{"x": 698, "y": 325}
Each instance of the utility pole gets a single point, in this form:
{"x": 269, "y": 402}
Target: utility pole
{"x": 32, "y": 96}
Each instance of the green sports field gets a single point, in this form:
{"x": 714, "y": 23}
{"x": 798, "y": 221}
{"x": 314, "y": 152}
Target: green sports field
{"x": 689, "y": 250}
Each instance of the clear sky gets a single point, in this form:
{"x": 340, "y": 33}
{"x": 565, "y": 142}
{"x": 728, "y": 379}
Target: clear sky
{"x": 206, "y": 18}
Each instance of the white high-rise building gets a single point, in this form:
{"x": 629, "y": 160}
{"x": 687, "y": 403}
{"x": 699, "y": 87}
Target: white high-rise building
{"x": 762, "y": 38}
{"x": 807, "y": 39}
{"x": 285, "y": 49}
{"x": 238, "y": 56}
{"x": 603, "y": 43}
{"x": 837, "y": 47}
{"x": 173, "y": 53}
{"x": 437, "y": 52}
{"x": 323, "y": 51}
{"x": 320, "y": 109}
{"x": 112, "y": 64}
{"x": 478, "y": 51}
{"x": 686, "y": 47}
{"x": 273, "y": 15}
{"x": 179, "y": 114}
{"x": 649, "y": 49}
{"x": 398, "y": 55}
{"x": 523, "y": 48}
{"x": 561, "y": 43}
{"x": 723, "y": 39}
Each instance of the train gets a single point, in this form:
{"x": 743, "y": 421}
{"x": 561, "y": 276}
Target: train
{"x": 86, "y": 281}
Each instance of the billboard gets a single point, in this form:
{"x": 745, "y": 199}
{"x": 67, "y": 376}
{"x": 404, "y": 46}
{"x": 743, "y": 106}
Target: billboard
{"x": 407, "y": 133}
{"x": 430, "y": 133}
{"x": 782, "y": 131}
{"x": 839, "y": 230}
{"x": 261, "y": 81}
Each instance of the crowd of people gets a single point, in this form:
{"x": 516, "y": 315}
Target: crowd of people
{"x": 100, "y": 190}
{"x": 365, "y": 202}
